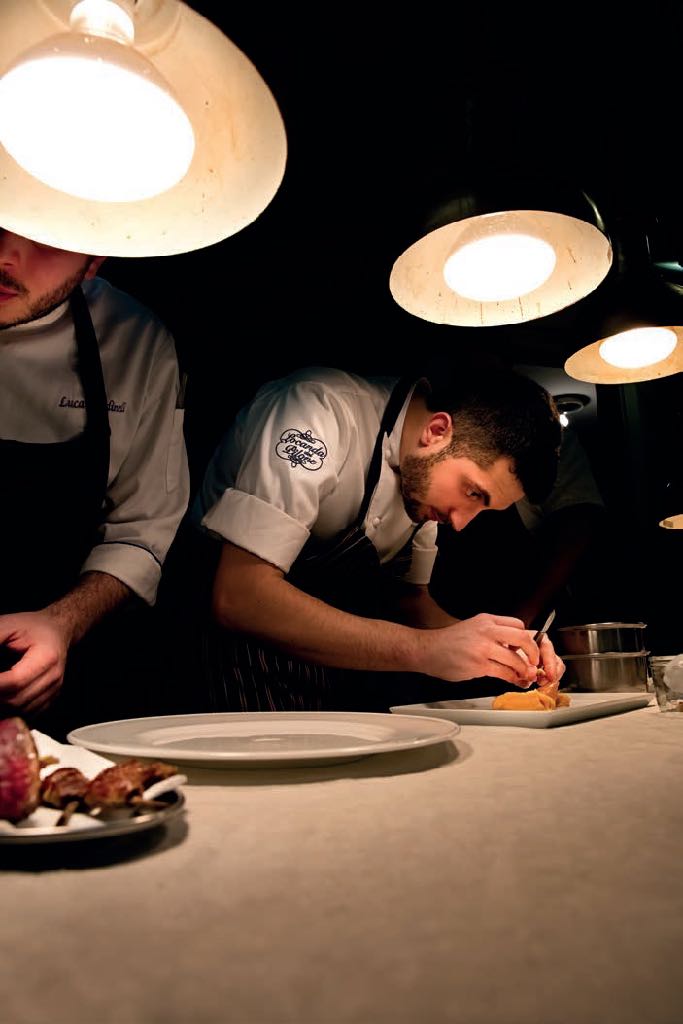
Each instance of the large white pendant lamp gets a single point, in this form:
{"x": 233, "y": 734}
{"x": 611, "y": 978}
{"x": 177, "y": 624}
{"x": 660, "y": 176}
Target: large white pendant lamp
{"x": 139, "y": 141}
{"x": 503, "y": 254}
{"x": 130, "y": 127}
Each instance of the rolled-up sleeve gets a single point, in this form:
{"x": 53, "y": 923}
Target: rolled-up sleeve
{"x": 423, "y": 555}
{"x": 148, "y": 496}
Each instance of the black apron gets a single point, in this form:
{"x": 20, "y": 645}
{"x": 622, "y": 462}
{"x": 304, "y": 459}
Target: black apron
{"x": 53, "y": 494}
{"x": 53, "y": 502}
{"x": 345, "y": 571}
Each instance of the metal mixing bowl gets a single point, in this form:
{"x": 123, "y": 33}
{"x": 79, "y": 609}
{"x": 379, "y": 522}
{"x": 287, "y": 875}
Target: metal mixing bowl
{"x": 600, "y": 638}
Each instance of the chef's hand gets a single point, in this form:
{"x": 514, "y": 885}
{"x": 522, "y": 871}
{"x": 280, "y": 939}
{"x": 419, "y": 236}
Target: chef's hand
{"x": 485, "y": 645}
{"x": 41, "y": 643}
{"x": 551, "y": 668}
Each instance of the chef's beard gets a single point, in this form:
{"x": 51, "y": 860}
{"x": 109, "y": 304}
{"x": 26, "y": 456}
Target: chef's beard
{"x": 45, "y": 303}
{"x": 416, "y": 476}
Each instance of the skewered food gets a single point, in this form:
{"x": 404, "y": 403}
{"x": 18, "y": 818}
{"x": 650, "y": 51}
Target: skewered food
{"x": 19, "y": 770}
{"x": 117, "y": 788}
{"x": 63, "y": 786}
{"x": 123, "y": 784}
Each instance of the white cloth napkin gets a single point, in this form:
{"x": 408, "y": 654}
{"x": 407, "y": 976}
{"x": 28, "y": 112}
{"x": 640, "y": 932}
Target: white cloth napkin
{"x": 68, "y": 756}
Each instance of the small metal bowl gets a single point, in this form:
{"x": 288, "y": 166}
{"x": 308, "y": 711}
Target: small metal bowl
{"x": 600, "y": 638}
{"x": 619, "y": 671}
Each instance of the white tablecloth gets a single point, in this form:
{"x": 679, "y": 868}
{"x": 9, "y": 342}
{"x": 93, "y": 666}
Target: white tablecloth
{"x": 520, "y": 876}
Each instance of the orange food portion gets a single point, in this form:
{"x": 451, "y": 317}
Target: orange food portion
{"x": 530, "y": 700}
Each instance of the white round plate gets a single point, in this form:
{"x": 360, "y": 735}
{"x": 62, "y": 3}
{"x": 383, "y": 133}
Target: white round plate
{"x": 263, "y": 738}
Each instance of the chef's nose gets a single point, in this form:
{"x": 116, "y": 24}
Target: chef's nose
{"x": 10, "y": 247}
{"x": 459, "y": 518}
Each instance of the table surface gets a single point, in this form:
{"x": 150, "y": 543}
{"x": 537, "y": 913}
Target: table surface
{"x": 521, "y": 876}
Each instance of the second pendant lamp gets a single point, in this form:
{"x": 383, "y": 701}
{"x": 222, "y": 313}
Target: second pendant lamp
{"x": 503, "y": 253}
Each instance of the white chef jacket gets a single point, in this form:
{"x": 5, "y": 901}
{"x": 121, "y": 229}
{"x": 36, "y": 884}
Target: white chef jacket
{"x": 41, "y": 401}
{"x": 294, "y": 463}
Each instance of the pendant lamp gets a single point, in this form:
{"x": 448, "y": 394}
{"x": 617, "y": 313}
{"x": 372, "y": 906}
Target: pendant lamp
{"x": 639, "y": 329}
{"x": 639, "y": 338}
{"x": 503, "y": 253}
{"x": 130, "y": 128}
{"x": 645, "y": 352}
{"x": 673, "y": 503}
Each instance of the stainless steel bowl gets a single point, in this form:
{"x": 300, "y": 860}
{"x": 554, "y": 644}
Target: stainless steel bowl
{"x": 600, "y": 638}
{"x": 625, "y": 670}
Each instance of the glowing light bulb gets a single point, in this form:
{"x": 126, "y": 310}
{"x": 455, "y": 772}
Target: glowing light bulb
{"x": 90, "y": 116}
{"x": 499, "y": 267}
{"x": 641, "y": 346}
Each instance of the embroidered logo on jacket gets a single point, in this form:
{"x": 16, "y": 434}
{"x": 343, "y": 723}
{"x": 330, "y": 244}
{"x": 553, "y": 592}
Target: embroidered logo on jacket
{"x": 79, "y": 403}
{"x": 300, "y": 448}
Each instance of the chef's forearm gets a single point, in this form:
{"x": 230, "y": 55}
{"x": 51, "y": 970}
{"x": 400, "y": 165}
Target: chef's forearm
{"x": 254, "y": 598}
{"x": 94, "y": 596}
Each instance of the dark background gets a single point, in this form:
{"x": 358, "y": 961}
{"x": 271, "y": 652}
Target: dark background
{"x": 383, "y": 110}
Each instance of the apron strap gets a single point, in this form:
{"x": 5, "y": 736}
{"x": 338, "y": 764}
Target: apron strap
{"x": 393, "y": 408}
{"x": 97, "y": 427}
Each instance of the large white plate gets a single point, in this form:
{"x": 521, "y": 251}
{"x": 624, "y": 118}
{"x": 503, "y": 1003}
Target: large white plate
{"x": 40, "y": 828}
{"x": 246, "y": 738}
{"x": 478, "y": 711}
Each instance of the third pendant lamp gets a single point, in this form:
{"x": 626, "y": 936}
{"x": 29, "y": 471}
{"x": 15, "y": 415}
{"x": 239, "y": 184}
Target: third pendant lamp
{"x": 639, "y": 334}
{"x": 503, "y": 253}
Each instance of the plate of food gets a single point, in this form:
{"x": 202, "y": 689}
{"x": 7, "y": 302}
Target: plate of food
{"x": 52, "y": 793}
{"x": 481, "y": 710}
{"x": 244, "y": 739}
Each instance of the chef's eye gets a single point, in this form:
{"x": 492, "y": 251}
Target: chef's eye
{"x": 473, "y": 494}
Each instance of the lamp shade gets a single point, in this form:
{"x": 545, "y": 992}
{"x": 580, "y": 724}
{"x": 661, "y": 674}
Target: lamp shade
{"x": 673, "y": 503}
{"x": 503, "y": 255}
{"x": 240, "y": 143}
{"x": 636, "y": 339}
{"x": 592, "y": 364}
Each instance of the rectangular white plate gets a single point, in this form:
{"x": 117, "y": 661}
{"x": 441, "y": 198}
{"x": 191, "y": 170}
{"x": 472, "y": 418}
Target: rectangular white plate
{"x": 478, "y": 710}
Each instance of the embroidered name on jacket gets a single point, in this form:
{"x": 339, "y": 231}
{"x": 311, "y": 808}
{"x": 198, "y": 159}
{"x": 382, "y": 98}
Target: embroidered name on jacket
{"x": 300, "y": 448}
{"x": 79, "y": 403}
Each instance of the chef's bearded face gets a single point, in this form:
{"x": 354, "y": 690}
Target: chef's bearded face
{"x": 35, "y": 278}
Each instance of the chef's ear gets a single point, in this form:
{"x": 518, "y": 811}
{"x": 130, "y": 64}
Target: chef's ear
{"x": 94, "y": 265}
{"x": 437, "y": 430}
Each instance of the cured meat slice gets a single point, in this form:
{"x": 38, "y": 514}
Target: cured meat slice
{"x": 19, "y": 770}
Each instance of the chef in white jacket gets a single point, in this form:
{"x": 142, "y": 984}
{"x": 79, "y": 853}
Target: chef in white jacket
{"x": 93, "y": 467}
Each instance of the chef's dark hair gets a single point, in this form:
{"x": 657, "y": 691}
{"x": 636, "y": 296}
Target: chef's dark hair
{"x": 497, "y": 411}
